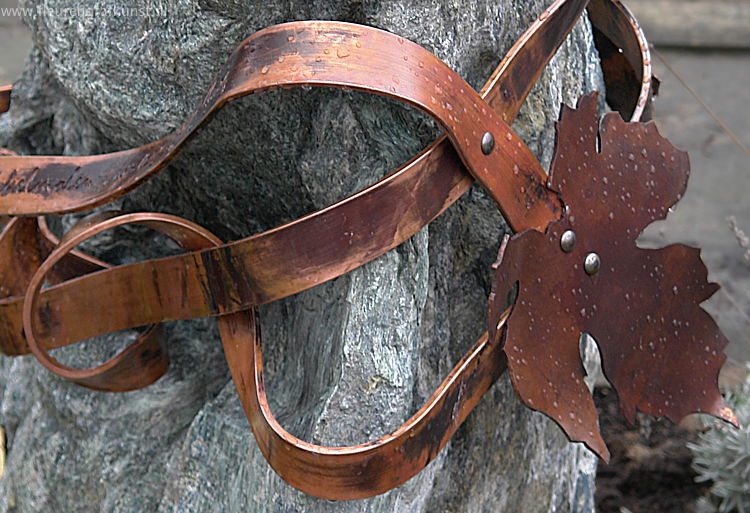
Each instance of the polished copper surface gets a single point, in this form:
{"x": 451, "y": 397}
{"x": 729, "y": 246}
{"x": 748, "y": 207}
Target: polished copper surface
{"x": 309, "y": 53}
{"x": 229, "y": 280}
{"x": 331, "y": 472}
{"x": 287, "y": 260}
{"x": 145, "y": 360}
{"x": 366, "y": 469}
{"x": 392, "y": 459}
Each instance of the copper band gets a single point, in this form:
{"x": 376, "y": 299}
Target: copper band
{"x": 272, "y": 264}
{"x": 229, "y": 280}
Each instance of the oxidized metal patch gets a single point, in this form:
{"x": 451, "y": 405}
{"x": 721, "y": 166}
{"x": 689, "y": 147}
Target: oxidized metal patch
{"x": 660, "y": 350}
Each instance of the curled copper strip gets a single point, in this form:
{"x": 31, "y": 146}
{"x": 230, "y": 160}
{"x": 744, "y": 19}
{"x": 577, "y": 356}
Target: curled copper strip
{"x": 350, "y": 472}
{"x": 309, "y": 53}
{"x": 22, "y": 249}
{"x": 272, "y": 261}
{"x": 20, "y": 255}
{"x": 74, "y": 264}
{"x": 24, "y": 243}
{"x": 142, "y": 362}
{"x": 330, "y": 472}
{"x": 5, "y": 98}
{"x": 368, "y": 469}
{"x": 37, "y": 242}
{"x": 626, "y": 59}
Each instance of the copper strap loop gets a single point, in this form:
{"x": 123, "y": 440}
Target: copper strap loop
{"x": 270, "y": 265}
{"x": 368, "y": 469}
{"x": 74, "y": 264}
{"x": 145, "y": 360}
{"x": 310, "y": 53}
{"x": 630, "y": 83}
{"x": 331, "y": 472}
{"x": 271, "y": 261}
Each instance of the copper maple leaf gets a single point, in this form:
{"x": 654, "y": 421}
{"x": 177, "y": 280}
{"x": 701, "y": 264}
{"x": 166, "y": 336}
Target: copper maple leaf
{"x": 660, "y": 350}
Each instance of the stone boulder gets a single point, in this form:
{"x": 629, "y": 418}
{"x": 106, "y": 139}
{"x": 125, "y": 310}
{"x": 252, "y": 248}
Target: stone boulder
{"x": 347, "y": 361}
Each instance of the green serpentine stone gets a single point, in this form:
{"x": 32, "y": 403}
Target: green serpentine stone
{"x": 347, "y": 361}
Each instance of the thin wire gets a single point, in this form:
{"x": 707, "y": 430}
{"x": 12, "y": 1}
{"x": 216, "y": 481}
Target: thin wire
{"x": 700, "y": 100}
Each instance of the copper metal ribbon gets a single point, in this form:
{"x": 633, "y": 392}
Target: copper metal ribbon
{"x": 230, "y": 280}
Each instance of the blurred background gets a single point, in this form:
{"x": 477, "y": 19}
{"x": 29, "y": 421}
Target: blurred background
{"x": 15, "y": 42}
{"x": 702, "y": 55}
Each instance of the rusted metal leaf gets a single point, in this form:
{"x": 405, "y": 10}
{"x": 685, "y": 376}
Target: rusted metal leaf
{"x": 660, "y": 350}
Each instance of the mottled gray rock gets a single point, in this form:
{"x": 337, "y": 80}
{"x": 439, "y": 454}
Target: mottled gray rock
{"x": 347, "y": 361}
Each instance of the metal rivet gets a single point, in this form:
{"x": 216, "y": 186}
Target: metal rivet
{"x": 592, "y": 263}
{"x": 488, "y": 143}
{"x": 568, "y": 241}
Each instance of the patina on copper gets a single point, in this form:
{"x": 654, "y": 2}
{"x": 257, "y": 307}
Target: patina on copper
{"x": 423, "y": 435}
{"x": 230, "y": 280}
{"x": 332, "y": 472}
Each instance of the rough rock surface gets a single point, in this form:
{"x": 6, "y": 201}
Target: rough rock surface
{"x": 346, "y": 361}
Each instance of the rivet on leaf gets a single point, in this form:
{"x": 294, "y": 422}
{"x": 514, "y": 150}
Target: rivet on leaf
{"x": 568, "y": 241}
{"x": 592, "y": 263}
